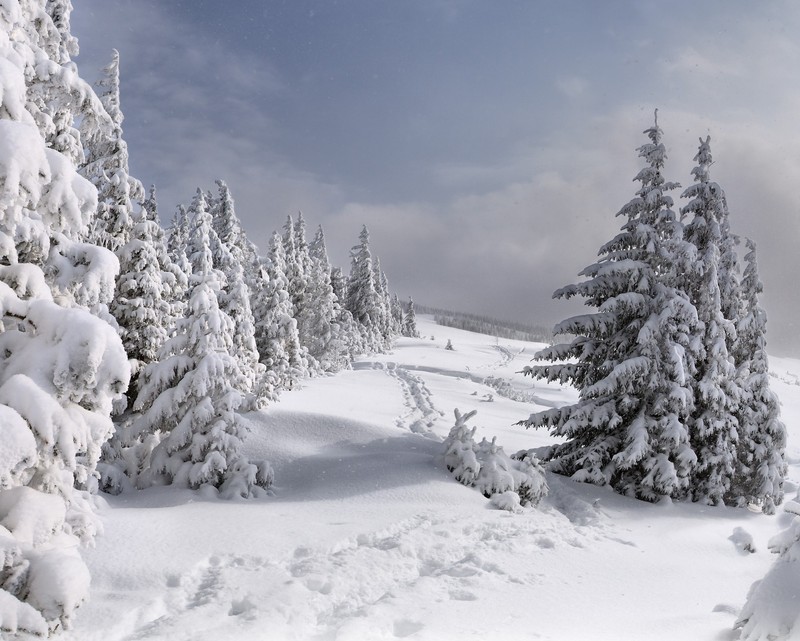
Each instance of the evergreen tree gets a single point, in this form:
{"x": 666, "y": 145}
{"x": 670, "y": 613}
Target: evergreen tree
{"x": 348, "y": 328}
{"x": 298, "y": 266}
{"x": 713, "y": 423}
{"x": 174, "y": 279}
{"x": 228, "y": 228}
{"x": 410, "y": 321}
{"x": 62, "y": 368}
{"x": 398, "y": 315}
{"x": 327, "y": 346}
{"x": 383, "y": 307}
{"x": 762, "y": 435}
{"x": 362, "y": 299}
{"x": 140, "y": 305}
{"x": 177, "y": 237}
{"x": 188, "y": 397}
{"x": 107, "y": 167}
{"x": 628, "y": 360}
{"x": 276, "y": 329}
{"x": 56, "y": 95}
{"x": 228, "y": 256}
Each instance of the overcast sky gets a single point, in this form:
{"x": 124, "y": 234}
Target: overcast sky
{"x": 487, "y": 145}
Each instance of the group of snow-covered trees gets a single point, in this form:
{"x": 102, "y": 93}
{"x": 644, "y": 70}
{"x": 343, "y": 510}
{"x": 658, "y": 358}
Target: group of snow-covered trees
{"x": 213, "y": 329}
{"x": 126, "y": 350}
{"x": 671, "y": 365}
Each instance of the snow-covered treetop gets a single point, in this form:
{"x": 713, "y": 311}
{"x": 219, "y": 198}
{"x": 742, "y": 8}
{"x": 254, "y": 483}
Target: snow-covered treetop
{"x": 110, "y": 82}
{"x": 703, "y": 159}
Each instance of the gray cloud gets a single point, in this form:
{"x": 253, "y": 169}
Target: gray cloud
{"x": 487, "y": 148}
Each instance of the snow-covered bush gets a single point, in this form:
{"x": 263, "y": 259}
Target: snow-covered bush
{"x": 460, "y": 455}
{"x": 772, "y": 611}
{"x": 489, "y": 469}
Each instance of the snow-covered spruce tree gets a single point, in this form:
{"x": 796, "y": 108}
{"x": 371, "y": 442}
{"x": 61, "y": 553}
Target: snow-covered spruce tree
{"x": 327, "y": 346}
{"x": 398, "y": 315}
{"x": 729, "y": 274}
{"x": 298, "y": 275}
{"x": 177, "y": 236}
{"x": 410, "y": 321}
{"x": 276, "y": 329}
{"x": 713, "y": 424}
{"x": 107, "y": 168}
{"x": 150, "y": 297}
{"x": 362, "y": 299}
{"x": 229, "y": 229}
{"x": 62, "y": 368}
{"x": 174, "y": 279}
{"x": 762, "y": 435}
{"x": 348, "y": 328}
{"x": 383, "y": 309}
{"x": 187, "y": 397}
{"x": 629, "y": 358}
{"x": 150, "y": 289}
{"x": 230, "y": 258}
{"x": 140, "y": 306}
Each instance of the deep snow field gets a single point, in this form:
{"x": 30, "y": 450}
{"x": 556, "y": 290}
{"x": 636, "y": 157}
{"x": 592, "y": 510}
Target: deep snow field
{"x": 368, "y": 537}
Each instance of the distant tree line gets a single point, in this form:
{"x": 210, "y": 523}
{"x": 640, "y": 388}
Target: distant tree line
{"x": 486, "y": 325}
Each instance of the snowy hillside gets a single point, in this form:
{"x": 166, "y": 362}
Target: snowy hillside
{"x": 367, "y": 536}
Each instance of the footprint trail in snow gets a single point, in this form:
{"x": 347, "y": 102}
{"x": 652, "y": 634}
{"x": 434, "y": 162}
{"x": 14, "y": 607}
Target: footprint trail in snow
{"x": 379, "y": 585}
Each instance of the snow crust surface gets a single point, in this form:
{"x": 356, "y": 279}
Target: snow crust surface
{"x": 367, "y": 535}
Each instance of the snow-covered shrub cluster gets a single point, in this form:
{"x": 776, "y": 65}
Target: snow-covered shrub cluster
{"x": 772, "y": 610}
{"x": 505, "y": 388}
{"x": 671, "y": 366}
{"x": 486, "y": 467}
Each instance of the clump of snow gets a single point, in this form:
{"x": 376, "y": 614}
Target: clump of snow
{"x": 17, "y": 616}
{"x": 506, "y": 501}
{"x": 17, "y": 449}
{"x": 58, "y": 583}
{"x": 32, "y": 517}
{"x": 743, "y": 540}
{"x": 772, "y": 611}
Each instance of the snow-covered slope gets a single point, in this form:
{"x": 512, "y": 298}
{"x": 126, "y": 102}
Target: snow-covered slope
{"x": 368, "y": 536}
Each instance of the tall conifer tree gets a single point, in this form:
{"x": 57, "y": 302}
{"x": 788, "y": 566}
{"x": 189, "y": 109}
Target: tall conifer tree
{"x": 713, "y": 423}
{"x": 628, "y": 360}
{"x": 762, "y": 435}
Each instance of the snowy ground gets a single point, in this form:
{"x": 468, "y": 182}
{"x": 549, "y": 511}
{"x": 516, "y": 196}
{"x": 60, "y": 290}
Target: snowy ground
{"x": 368, "y": 537}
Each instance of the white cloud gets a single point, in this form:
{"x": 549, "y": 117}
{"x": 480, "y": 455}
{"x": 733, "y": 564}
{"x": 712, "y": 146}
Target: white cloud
{"x": 572, "y": 86}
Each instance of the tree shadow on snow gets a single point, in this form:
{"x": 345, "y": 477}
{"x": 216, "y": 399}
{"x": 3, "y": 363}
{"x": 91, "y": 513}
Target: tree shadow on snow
{"x": 346, "y": 469}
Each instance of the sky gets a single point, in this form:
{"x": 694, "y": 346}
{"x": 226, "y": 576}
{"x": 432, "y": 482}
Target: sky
{"x": 486, "y": 145}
